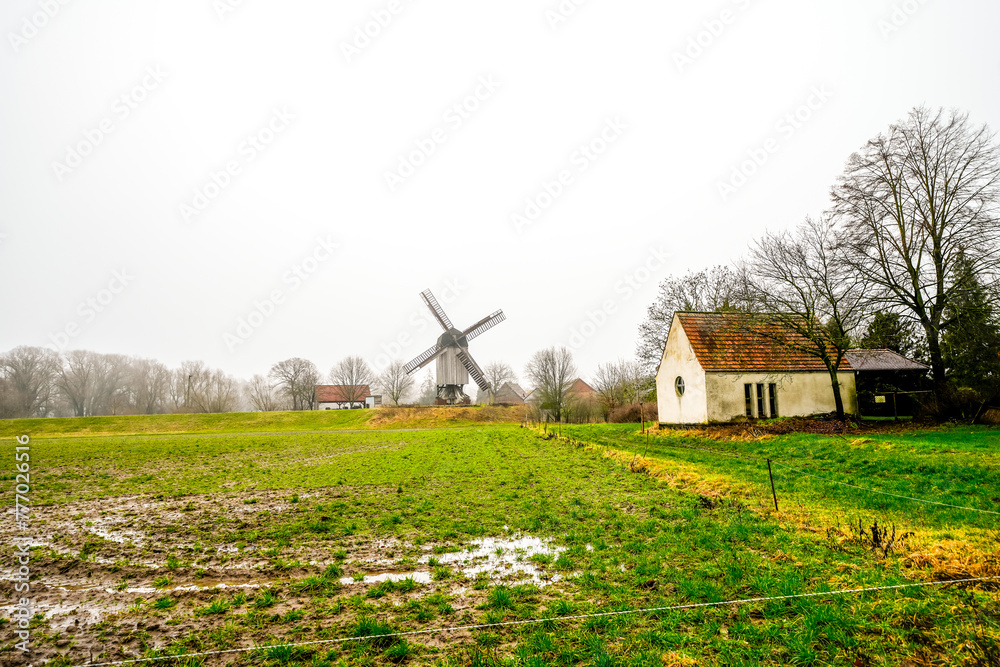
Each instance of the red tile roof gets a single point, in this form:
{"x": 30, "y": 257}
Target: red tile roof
{"x": 736, "y": 342}
{"x": 882, "y": 360}
{"x": 334, "y": 393}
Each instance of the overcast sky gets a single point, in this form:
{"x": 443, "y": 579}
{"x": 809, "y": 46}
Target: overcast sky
{"x": 169, "y": 169}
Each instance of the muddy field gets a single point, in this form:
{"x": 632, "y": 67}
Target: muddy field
{"x": 270, "y": 549}
{"x": 100, "y": 568}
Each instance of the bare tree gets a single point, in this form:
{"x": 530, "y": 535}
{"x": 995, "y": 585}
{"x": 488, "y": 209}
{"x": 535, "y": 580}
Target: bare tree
{"x": 394, "y": 382}
{"x": 619, "y": 383}
{"x": 261, "y": 394}
{"x": 354, "y": 375}
{"x": 912, "y": 202}
{"x": 207, "y": 390}
{"x": 609, "y": 386}
{"x": 714, "y": 289}
{"x": 804, "y": 285}
{"x": 214, "y": 391}
{"x": 75, "y": 382}
{"x": 551, "y": 371}
{"x": 148, "y": 380}
{"x": 497, "y": 374}
{"x": 297, "y": 379}
{"x": 30, "y": 374}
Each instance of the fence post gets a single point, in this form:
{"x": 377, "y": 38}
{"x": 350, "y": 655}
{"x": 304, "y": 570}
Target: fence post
{"x": 773, "y": 493}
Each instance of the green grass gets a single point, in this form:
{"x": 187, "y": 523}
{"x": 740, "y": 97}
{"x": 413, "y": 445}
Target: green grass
{"x": 956, "y": 465}
{"x": 233, "y": 422}
{"x": 260, "y": 422}
{"x": 697, "y": 529}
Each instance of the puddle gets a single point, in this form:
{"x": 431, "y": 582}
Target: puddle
{"x": 502, "y": 557}
{"x": 150, "y": 590}
{"x": 119, "y": 536}
{"x": 419, "y": 577}
{"x": 499, "y": 558}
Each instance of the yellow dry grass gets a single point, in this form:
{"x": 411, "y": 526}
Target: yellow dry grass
{"x": 445, "y": 415}
{"x": 674, "y": 659}
{"x": 953, "y": 559}
{"x": 674, "y": 473}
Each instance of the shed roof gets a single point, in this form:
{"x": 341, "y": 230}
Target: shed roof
{"x": 742, "y": 343}
{"x": 882, "y": 360}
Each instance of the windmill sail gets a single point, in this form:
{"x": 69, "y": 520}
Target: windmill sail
{"x": 426, "y": 357}
{"x": 437, "y": 310}
{"x": 484, "y": 324}
{"x": 474, "y": 370}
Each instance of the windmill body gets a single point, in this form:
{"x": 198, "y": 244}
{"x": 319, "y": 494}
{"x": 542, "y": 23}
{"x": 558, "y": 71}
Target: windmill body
{"x": 451, "y": 352}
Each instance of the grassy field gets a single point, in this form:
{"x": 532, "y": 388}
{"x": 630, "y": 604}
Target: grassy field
{"x": 150, "y": 545}
{"x": 258, "y": 422}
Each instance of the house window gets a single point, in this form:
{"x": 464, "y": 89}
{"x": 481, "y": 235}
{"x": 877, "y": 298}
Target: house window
{"x": 748, "y": 395}
{"x": 761, "y": 409}
{"x": 679, "y": 385}
{"x": 772, "y": 394}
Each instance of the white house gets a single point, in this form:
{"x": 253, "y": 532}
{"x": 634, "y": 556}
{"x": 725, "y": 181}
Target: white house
{"x": 717, "y": 367}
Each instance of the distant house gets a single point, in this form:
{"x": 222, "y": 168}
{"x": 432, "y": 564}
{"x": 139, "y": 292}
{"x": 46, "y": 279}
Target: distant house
{"x": 510, "y": 394}
{"x": 345, "y": 397}
{"x": 719, "y": 367}
{"x": 580, "y": 389}
{"x": 886, "y": 380}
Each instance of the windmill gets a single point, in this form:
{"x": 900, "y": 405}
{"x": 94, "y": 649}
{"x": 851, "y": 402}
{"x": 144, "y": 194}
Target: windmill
{"x": 454, "y": 363}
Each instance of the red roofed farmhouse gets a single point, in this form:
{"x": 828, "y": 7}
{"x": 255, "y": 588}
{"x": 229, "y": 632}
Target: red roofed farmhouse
{"x": 718, "y": 367}
{"x": 345, "y": 397}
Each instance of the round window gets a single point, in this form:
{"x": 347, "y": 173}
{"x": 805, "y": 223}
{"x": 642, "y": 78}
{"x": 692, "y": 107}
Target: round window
{"x": 679, "y": 384}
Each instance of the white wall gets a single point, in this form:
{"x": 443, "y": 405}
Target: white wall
{"x": 679, "y": 360}
{"x": 799, "y": 394}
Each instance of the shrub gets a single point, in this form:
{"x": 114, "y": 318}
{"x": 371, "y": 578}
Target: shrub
{"x": 630, "y": 414}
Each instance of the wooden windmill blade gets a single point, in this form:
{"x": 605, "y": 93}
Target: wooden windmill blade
{"x": 437, "y": 310}
{"x": 424, "y": 358}
{"x": 474, "y": 370}
{"x": 484, "y": 325}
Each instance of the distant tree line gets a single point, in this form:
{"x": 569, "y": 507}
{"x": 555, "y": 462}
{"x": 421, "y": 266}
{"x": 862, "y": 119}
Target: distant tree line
{"x": 905, "y": 258}
{"x": 39, "y": 382}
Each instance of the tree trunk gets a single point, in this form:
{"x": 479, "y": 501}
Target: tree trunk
{"x": 838, "y": 399}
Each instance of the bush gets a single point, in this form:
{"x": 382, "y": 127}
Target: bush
{"x": 630, "y": 414}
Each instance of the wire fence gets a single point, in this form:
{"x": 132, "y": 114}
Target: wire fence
{"x": 551, "y": 619}
{"x": 828, "y": 480}
{"x": 648, "y": 610}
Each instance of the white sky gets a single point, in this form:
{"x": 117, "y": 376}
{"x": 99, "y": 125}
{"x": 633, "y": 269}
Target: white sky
{"x": 678, "y": 131}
